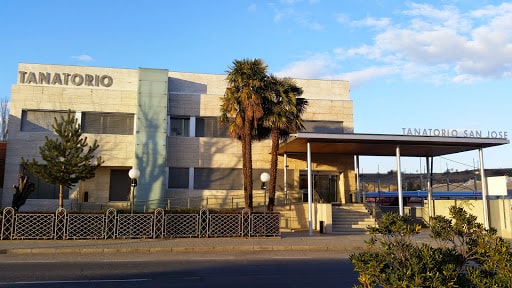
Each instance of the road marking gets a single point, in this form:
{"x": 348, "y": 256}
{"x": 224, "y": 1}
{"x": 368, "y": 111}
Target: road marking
{"x": 212, "y": 258}
{"x": 82, "y": 281}
{"x": 292, "y": 257}
{"x": 31, "y": 261}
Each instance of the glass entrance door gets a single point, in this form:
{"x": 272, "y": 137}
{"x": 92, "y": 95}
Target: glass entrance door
{"x": 325, "y": 187}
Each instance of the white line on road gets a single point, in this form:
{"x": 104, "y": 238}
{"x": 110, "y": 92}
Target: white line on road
{"x": 212, "y": 258}
{"x": 81, "y": 281}
{"x": 292, "y": 257}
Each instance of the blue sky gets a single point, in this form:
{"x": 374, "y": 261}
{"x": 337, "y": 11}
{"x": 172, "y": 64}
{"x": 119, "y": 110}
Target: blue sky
{"x": 411, "y": 64}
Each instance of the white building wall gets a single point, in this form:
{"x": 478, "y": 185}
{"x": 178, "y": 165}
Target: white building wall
{"x": 116, "y": 150}
{"x": 190, "y": 94}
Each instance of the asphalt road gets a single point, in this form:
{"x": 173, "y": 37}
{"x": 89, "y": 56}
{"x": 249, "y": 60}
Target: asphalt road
{"x": 225, "y": 269}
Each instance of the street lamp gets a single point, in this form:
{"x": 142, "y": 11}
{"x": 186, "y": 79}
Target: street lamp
{"x": 134, "y": 173}
{"x": 264, "y": 177}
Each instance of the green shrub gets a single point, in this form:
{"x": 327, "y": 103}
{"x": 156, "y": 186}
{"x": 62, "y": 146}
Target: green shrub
{"x": 466, "y": 254}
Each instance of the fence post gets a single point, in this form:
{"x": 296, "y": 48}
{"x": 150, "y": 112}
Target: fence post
{"x": 60, "y": 224}
{"x": 110, "y": 223}
{"x": 8, "y": 218}
{"x": 203, "y": 223}
{"x": 159, "y": 223}
{"x": 246, "y": 223}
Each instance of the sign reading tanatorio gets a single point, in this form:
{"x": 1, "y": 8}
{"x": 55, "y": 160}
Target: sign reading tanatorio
{"x": 454, "y": 133}
{"x": 65, "y": 79}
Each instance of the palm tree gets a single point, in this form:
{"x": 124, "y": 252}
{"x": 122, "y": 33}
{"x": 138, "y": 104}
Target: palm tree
{"x": 283, "y": 115}
{"x": 241, "y": 109}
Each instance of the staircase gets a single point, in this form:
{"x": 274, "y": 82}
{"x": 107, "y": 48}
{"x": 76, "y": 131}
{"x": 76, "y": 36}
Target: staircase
{"x": 351, "y": 219}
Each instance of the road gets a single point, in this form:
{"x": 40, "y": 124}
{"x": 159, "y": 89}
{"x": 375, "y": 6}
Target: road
{"x": 235, "y": 269}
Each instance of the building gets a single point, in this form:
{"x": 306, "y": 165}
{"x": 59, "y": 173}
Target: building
{"x": 165, "y": 124}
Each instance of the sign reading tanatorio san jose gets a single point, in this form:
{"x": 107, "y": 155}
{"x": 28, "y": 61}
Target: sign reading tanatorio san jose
{"x": 65, "y": 79}
{"x": 454, "y": 133}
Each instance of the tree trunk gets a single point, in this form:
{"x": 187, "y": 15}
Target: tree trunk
{"x": 273, "y": 171}
{"x": 247, "y": 166}
{"x": 61, "y": 197}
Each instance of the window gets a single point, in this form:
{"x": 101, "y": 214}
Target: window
{"x": 180, "y": 126}
{"x": 323, "y": 126}
{"x": 44, "y": 190}
{"x": 119, "y": 185}
{"x": 40, "y": 121}
{"x": 209, "y": 127}
{"x": 178, "y": 178}
{"x": 232, "y": 178}
{"x": 218, "y": 178}
{"x": 107, "y": 123}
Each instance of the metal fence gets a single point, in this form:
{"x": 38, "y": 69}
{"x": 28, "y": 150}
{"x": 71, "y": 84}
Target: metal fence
{"x": 111, "y": 225}
{"x": 206, "y": 202}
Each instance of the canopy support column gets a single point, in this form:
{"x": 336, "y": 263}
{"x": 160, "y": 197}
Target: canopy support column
{"x": 484, "y": 189}
{"x": 399, "y": 180}
{"x": 358, "y": 178}
{"x": 430, "y": 162}
{"x": 310, "y": 192}
{"x": 285, "y": 180}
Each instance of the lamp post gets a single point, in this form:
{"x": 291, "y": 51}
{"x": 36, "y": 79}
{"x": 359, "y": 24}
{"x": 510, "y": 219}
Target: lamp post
{"x": 264, "y": 177}
{"x": 134, "y": 173}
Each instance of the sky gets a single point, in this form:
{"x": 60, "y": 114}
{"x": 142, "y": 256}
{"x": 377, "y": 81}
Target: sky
{"x": 411, "y": 64}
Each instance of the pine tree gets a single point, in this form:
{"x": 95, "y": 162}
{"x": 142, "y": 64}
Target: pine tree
{"x": 68, "y": 157}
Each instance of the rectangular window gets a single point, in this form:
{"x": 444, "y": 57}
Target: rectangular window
{"x": 209, "y": 127}
{"x": 44, "y": 190}
{"x": 178, "y": 178}
{"x": 218, "y": 178}
{"x": 232, "y": 178}
{"x": 180, "y": 126}
{"x": 108, "y": 123}
{"x": 119, "y": 189}
{"x": 40, "y": 121}
{"x": 323, "y": 126}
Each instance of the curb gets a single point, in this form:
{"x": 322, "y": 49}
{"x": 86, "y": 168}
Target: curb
{"x": 28, "y": 251}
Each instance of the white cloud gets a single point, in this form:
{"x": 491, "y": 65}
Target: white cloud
{"x": 83, "y": 58}
{"x": 466, "y": 78}
{"x": 356, "y": 78}
{"x": 323, "y": 66}
{"x": 371, "y": 22}
{"x": 435, "y": 44}
{"x": 314, "y": 67}
{"x": 366, "y": 51}
{"x": 491, "y": 11}
{"x": 428, "y": 11}
{"x": 441, "y": 44}
{"x": 342, "y": 18}
{"x": 428, "y": 46}
{"x": 287, "y": 12}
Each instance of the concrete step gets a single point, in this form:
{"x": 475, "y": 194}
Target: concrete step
{"x": 351, "y": 208}
{"x": 351, "y": 219}
{"x": 348, "y": 225}
{"x": 351, "y": 216}
{"x": 364, "y": 222}
{"x": 352, "y": 232}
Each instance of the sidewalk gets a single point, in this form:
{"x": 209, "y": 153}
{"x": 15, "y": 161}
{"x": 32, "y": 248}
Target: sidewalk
{"x": 287, "y": 241}
{"x": 299, "y": 241}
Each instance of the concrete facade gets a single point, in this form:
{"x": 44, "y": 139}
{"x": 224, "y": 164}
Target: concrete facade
{"x": 155, "y": 97}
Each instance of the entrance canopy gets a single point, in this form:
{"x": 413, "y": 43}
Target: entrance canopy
{"x": 384, "y": 145}
{"x": 387, "y": 145}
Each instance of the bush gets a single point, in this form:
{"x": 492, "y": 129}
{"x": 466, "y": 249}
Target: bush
{"x": 467, "y": 254}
